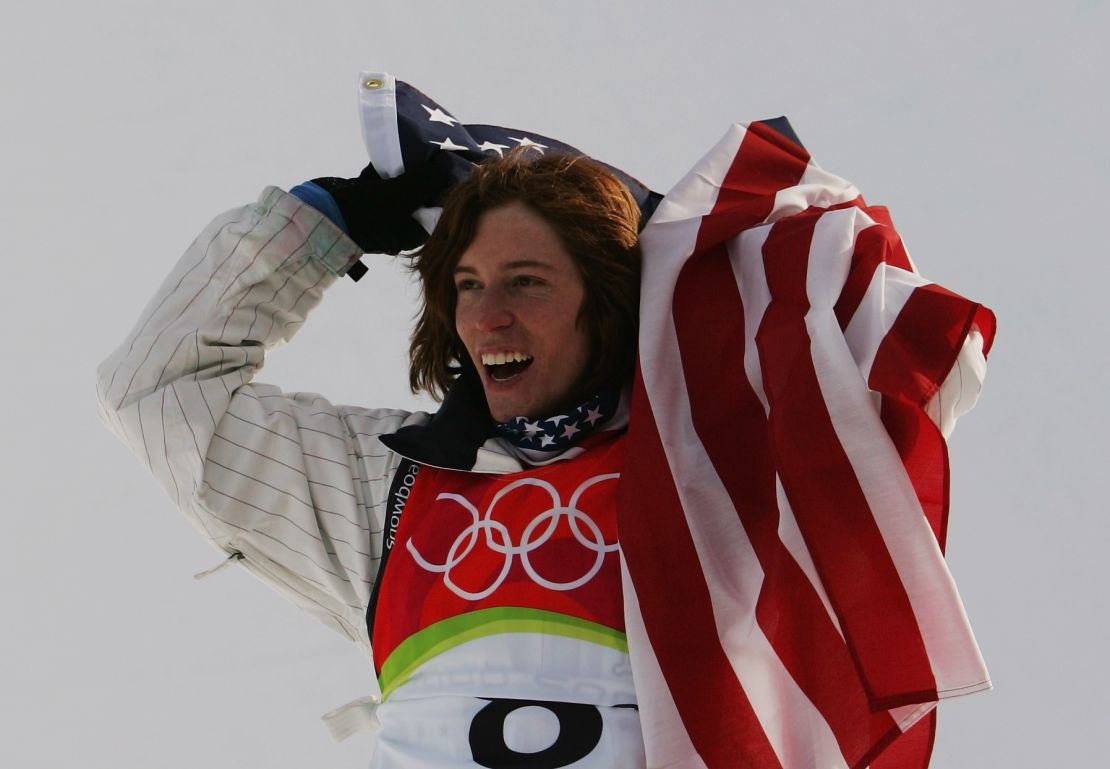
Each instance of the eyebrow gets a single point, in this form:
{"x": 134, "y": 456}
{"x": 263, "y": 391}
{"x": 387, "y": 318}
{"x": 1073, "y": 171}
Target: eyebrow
{"x": 514, "y": 265}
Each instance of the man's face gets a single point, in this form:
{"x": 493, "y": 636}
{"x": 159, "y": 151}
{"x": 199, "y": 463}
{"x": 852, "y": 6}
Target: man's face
{"x": 519, "y": 293}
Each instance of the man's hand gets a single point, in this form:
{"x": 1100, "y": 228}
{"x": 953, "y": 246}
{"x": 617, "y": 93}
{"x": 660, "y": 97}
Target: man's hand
{"x": 378, "y": 212}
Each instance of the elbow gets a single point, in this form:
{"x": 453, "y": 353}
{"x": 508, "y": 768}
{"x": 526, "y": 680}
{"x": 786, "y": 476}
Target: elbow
{"x": 109, "y": 394}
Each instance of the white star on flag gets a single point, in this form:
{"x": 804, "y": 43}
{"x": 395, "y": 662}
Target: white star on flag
{"x": 592, "y": 415}
{"x": 570, "y": 430}
{"x": 546, "y": 440}
{"x": 447, "y": 144}
{"x": 439, "y": 116}
{"x": 531, "y": 428}
{"x": 524, "y": 141}
{"x": 488, "y": 146}
{"x": 555, "y": 420}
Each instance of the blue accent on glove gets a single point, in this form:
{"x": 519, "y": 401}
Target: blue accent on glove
{"x": 320, "y": 199}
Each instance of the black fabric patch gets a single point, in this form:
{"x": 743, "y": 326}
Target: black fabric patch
{"x": 356, "y": 271}
{"x": 580, "y": 727}
{"x": 452, "y": 437}
{"x": 782, "y": 126}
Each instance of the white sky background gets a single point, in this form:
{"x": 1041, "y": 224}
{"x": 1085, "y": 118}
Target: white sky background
{"x": 127, "y": 126}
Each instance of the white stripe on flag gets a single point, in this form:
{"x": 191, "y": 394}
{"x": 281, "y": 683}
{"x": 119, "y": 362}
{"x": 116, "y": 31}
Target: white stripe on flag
{"x": 908, "y": 715}
{"x": 817, "y": 188}
{"x": 746, "y": 257}
{"x": 694, "y": 195}
{"x": 378, "y": 111}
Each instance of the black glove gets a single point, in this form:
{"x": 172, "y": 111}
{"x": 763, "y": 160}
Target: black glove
{"x": 378, "y": 212}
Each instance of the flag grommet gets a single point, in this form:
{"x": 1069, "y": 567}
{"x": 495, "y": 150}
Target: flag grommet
{"x": 372, "y": 83}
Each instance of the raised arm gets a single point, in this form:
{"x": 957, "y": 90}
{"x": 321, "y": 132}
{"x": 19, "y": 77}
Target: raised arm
{"x": 290, "y": 484}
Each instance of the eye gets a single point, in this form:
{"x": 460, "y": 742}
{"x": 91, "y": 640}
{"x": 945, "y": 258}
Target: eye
{"x": 525, "y": 281}
{"x": 466, "y": 284}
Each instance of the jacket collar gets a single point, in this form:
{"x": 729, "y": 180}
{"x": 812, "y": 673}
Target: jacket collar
{"x": 453, "y": 435}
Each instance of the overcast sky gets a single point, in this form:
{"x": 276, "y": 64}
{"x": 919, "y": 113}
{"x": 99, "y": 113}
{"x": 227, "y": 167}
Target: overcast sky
{"x": 128, "y": 125}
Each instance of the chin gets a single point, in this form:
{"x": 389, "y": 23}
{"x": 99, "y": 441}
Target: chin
{"x": 505, "y": 413}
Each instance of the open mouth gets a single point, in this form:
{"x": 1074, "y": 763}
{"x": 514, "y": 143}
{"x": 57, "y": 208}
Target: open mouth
{"x": 502, "y": 367}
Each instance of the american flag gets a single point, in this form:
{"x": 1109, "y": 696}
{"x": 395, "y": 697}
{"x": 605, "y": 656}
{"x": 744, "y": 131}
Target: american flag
{"x": 784, "y": 501}
{"x": 403, "y": 127}
{"x": 785, "y": 495}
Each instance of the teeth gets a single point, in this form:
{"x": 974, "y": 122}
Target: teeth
{"x": 500, "y": 358}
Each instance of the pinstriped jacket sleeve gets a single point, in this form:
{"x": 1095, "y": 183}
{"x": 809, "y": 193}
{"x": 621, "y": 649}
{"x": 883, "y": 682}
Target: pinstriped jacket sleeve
{"x": 290, "y": 483}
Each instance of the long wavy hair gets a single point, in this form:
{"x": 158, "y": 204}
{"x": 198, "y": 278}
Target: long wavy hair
{"x": 597, "y": 220}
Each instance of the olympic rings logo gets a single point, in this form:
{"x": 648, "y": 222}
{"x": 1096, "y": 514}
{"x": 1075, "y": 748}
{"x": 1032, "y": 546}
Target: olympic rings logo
{"x": 497, "y": 538}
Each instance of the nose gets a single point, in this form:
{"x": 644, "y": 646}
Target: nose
{"x": 492, "y": 311}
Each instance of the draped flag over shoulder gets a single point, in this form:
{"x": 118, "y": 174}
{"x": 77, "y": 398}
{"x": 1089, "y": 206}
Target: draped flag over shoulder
{"x": 784, "y": 501}
{"x": 783, "y": 505}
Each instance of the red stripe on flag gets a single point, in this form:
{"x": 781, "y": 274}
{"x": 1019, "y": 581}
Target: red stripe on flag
{"x": 921, "y": 347}
{"x": 881, "y": 216}
{"x": 732, "y": 426}
{"x": 765, "y": 163}
{"x": 913, "y": 360}
{"x": 663, "y": 564}
{"x": 924, "y": 454}
{"x": 840, "y": 532}
{"x": 913, "y": 749}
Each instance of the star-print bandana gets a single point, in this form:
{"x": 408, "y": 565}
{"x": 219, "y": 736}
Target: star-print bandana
{"x": 558, "y": 433}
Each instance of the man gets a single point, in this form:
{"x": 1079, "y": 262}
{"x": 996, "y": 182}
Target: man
{"x": 498, "y": 627}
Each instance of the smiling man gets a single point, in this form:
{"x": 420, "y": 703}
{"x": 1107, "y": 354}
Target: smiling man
{"x": 474, "y": 552}
{"x": 519, "y": 298}
{"x": 532, "y": 278}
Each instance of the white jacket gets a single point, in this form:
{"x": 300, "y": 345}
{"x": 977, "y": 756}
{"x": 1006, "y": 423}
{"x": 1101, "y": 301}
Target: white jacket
{"x": 290, "y": 484}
